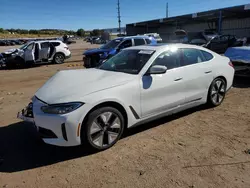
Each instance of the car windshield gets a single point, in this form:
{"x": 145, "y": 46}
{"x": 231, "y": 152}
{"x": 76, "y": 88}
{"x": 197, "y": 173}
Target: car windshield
{"x": 128, "y": 61}
{"x": 24, "y": 46}
{"x": 112, "y": 44}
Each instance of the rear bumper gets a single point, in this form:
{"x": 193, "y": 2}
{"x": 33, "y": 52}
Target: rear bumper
{"x": 68, "y": 56}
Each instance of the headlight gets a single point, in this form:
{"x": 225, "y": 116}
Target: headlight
{"x": 63, "y": 108}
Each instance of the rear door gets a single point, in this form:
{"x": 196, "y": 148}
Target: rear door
{"x": 198, "y": 74}
{"x": 52, "y": 50}
{"x": 29, "y": 52}
{"x": 44, "y": 51}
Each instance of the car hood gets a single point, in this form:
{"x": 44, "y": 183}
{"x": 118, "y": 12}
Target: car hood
{"x": 10, "y": 51}
{"x": 73, "y": 85}
{"x": 96, "y": 51}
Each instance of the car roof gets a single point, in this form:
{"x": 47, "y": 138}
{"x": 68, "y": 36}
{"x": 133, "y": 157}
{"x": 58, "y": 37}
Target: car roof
{"x": 132, "y": 37}
{"x": 48, "y": 41}
{"x": 160, "y": 46}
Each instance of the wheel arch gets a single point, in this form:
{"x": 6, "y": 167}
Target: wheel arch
{"x": 113, "y": 104}
{"x": 222, "y": 77}
{"x": 59, "y": 53}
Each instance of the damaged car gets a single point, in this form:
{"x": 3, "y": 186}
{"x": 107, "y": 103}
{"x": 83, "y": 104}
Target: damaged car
{"x": 220, "y": 43}
{"x": 37, "y": 52}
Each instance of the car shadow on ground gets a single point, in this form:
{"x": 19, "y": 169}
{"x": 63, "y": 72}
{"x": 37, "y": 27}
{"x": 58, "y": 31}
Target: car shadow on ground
{"x": 241, "y": 82}
{"x": 23, "y": 67}
{"x": 21, "y": 149}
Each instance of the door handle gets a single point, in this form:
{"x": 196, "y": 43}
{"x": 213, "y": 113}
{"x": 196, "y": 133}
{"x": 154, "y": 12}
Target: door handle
{"x": 177, "y": 79}
{"x": 207, "y": 72}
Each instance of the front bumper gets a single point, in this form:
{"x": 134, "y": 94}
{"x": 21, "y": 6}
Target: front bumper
{"x": 54, "y": 129}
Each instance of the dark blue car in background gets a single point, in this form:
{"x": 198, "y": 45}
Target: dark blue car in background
{"x": 94, "y": 57}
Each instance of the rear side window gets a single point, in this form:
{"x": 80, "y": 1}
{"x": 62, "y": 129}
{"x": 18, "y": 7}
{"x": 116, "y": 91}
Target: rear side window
{"x": 207, "y": 55}
{"x": 56, "y": 43}
{"x": 45, "y": 45}
{"x": 148, "y": 41}
{"x": 191, "y": 56}
{"x": 139, "y": 42}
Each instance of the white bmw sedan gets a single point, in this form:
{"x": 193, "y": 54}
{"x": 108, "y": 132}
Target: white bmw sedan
{"x": 139, "y": 84}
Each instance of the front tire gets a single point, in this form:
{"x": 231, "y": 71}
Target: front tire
{"x": 103, "y": 129}
{"x": 217, "y": 92}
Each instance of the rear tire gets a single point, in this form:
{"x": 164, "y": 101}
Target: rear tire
{"x": 59, "y": 58}
{"x": 103, "y": 128}
{"x": 217, "y": 92}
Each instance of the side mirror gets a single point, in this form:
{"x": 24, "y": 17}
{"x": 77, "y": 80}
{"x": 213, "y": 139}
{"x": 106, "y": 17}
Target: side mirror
{"x": 157, "y": 69}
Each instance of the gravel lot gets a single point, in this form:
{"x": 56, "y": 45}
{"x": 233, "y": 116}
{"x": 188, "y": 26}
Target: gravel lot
{"x": 196, "y": 148}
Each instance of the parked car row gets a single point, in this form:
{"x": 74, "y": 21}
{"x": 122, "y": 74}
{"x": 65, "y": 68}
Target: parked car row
{"x": 208, "y": 39}
{"x": 12, "y": 42}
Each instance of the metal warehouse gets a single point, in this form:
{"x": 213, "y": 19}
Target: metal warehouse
{"x": 232, "y": 20}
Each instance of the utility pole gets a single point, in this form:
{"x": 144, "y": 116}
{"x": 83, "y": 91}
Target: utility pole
{"x": 119, "y": 16}
{"x": 167, "y": 10}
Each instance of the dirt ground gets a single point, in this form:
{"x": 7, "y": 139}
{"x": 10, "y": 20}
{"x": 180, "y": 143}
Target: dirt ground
{"x": 197, "y": 148}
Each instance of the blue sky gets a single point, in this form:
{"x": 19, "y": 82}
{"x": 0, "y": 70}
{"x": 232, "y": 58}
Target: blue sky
{"x": 91, "y": 14}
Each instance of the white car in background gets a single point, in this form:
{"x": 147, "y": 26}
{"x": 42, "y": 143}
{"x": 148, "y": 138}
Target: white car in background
{"x": 155, "y": 35}
{"x": 37, "y": 52}
{"x": 139, "y": 84}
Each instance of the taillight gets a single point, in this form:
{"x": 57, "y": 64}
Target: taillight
{"x": 231, "y": 64}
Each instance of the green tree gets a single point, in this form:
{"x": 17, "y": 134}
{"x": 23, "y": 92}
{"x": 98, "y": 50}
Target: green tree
{"x": 1, "y": 30}
{"x": 80, "y": 32}
{"x": 96, "y": 32}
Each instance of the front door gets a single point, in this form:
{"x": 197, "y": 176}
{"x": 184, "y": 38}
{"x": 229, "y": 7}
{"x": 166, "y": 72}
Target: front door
{"x": 163, "y": 92}
{"x": 29, "y": 53}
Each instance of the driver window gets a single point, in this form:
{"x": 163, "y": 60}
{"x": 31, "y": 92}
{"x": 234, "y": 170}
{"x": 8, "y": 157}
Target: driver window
{"x": 30, "y": 46}
{"x": 126, "y": 44}
{"x": 169, "y": 59}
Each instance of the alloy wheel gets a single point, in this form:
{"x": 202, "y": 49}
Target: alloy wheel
{"x": 218, "y": 92}
{"x": 105, "y": 129}
{"x": 59, "y": 58}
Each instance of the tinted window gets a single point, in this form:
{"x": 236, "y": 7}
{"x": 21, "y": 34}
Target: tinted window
{"x": 191, "y": 56}
{"x": 139, "y": 42}
{"x": 127, "y": 61}
{"x": 45, "y": 45}
{"x": 56, "y": 43}
{"x": 169, "y": 59}
{"x": 207, "y": 55}
{"x": 148, "y": 41}
{"x": 126, "y": 44}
